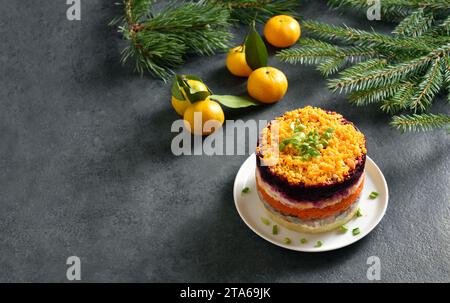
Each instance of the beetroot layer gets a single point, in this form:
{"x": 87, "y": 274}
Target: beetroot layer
{"x": 341, "y": 194}
{"x": 314, "y": 193}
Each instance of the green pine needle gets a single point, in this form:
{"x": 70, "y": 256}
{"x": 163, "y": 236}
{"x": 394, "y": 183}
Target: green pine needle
{"x": 346, "y": 34}
{"x": 446, "y": 74}
{"x": 160, "y": 41}
{"x": 428, "y": 88}
{"x": 364, "y": 67}
{"x": 372, "y": 95}
{"x": 245, "y": 11}
{"x": 328, "y": 57}
{"x": 415, "y": 24}
{"x": 423, "y": 122}
{"x": 388, "y": 8}
{"x": 400, "y": 100}
{"x": 330, "y": 66}
{"x": 139, "y": 10}
{"x": 393, "y": 9}
{"x": 389, "y": 75}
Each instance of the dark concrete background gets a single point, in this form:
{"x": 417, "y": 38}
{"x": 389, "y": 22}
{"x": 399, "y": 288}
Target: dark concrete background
{"x": 86, "y": 168}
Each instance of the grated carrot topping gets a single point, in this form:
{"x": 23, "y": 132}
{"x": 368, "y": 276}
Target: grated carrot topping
{"x": 336, "y": 160}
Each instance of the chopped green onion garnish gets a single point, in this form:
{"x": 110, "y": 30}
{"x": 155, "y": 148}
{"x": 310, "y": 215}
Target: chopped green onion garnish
{"x": 265, "y": 221}
{"x": 318, "y": 244}
{"x": 275, "y": 230}
{"x": 373, "y": 195}
{"x": 343, "y": 228}
{"x": 356, "y": 231}
{"x": 300, "y": 127}
{"x": 328, "y": 133}
{"x": 359, "y": 213}
{"x": 246, "y": 190}
{"x": 307, "y": 145}
{"x": 299, "y": 136}
{"x": 287, "y": 240}
{"x": 303, "y": 241}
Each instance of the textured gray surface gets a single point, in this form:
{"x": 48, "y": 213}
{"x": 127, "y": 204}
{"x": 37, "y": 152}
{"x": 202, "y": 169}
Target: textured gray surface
{"x": 86, "y": 168}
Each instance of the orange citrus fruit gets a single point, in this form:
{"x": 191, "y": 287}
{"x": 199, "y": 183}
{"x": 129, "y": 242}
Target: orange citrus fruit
{"x": 181, "y": 105}
{"x": 211, "y": 118}
{"x": 282, "y": 31}
{"x": 267, "y": 84}
{"x": 236, "y": 63}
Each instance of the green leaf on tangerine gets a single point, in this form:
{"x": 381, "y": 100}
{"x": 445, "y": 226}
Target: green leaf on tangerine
{"x": 175, "y": 90}
{"x": 234, "y": 101}
{"x": 255, "y": 50}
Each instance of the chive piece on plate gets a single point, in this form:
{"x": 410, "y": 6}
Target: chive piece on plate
{"x": 373, "y": 195}
{"x": 246, "y": 190}
{"x": 265, "y": 221}
{"x": 275, "y": 229}
{"x": 359, "y": 213}
{"x": 287, "y": 240}
{"x": 303, "y": 241}
{"x": 356, "y": 231}
{"x": 318, "y": 244}
{"x": 343, "y": 229}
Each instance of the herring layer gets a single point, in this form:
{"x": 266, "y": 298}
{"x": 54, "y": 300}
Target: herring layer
{"x": 280, "y": 196}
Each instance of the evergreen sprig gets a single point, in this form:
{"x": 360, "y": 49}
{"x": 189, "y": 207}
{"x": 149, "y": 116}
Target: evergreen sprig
{"x": 399, "y": 100}
{"x": 348, "y": 35}
{"x": 423, "y": 122}
{"x": 160, "y": 41}
{"x": 245, "y": 11}
{"x": 394, "y": 9}
{"x": 415, "y": 24}
{"x": 403, "y": 72}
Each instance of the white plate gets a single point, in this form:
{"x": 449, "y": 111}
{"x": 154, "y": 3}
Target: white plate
{"x": 251, "y": 211}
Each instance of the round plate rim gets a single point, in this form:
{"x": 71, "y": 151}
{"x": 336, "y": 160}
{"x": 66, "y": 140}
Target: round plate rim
{"x": 294, "y": 248}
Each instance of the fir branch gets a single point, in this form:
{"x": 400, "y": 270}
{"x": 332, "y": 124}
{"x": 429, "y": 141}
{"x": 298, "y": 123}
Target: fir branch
{"x": 415, "y": 24}
{"x": 400, "y": 99}
{"x": 330, "y": 66}
{"x": 347, "y": 34}
{"x": 389, "y": 8}
{"x": 428, "y": 88}
{"x": 315, "y": 55}
{"x": 328, "y": 57}
{"x": 423, "y": 122}
{"x": 155, "y": 52}
{"x": 159, "y": 42}
{"x": 364, "y": 67}
{"x": 245, "y": 11}
{"x": 313, "y": 52}
{"x": 446, "y": 74}
{"x": 394, "y": 9}
{"x": 372, "y": 95}
{"x": 199, "y": 27}
{"x": 379, "y": 77}
{"x": 138, "y": 10}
